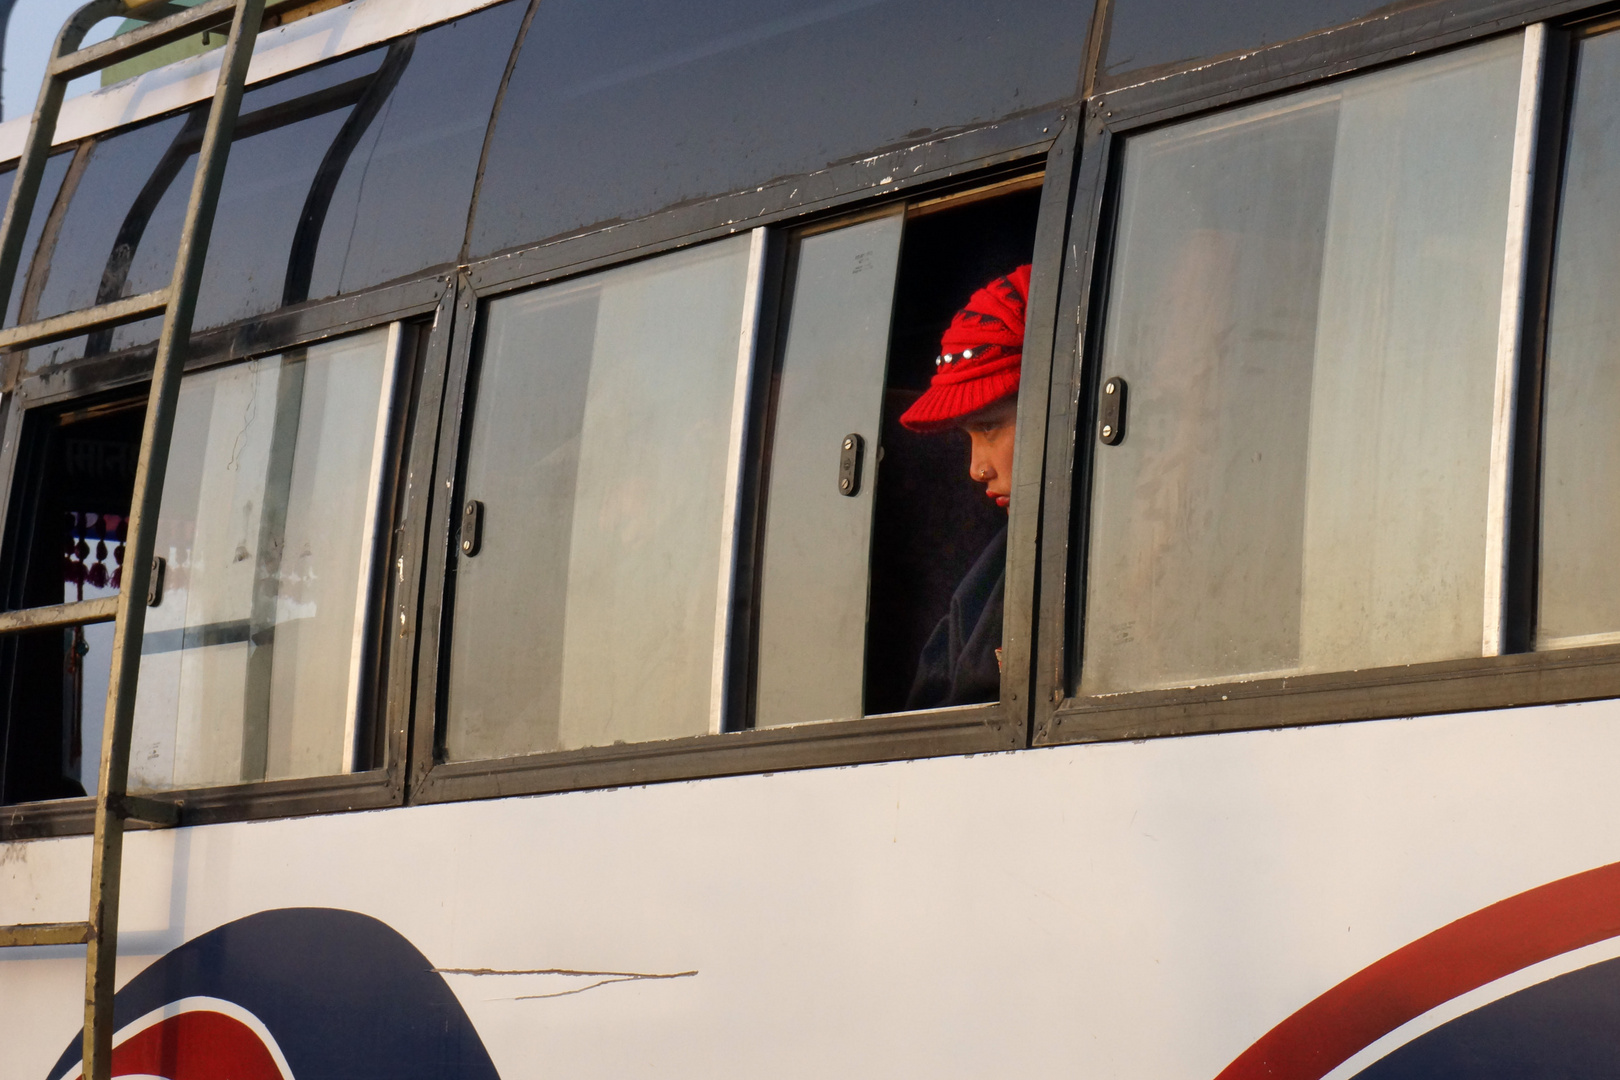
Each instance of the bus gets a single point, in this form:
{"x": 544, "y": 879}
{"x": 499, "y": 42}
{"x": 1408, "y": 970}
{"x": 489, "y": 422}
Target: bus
{"x": 536, "y": 654}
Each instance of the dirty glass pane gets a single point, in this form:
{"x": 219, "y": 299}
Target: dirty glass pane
{"x": 1304, "y": 309}
{"x": 249, "y": 664}
{"x": 341, "y": 177}
{"x": 117, "y": 170}
{"x": 267, "y": 179}
{"x": 617, "y": 108}
{"x": 402, "y": 202}
{"x": 122, "y": 228}
{"x": 1147, "y": 34}
{"x": 50, "y": 184}
{"x": 813, "y": 576}
{"x": 598, "y": 446}
{"x": 1580, "y": 507}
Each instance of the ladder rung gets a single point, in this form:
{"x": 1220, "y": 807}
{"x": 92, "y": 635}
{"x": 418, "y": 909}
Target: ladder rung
{"x": 78, "y": 613}
{"x": 190, "y": 21}
{"x": 151, "y": 811}
{"x": 44, "y": 933}
{"x": 101, "y": 317}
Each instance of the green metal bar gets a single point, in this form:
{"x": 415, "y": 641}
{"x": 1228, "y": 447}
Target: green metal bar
{"x": 101, "y": 317}
{"x": 144, "y": 503}
{"x": 78, "y": 613}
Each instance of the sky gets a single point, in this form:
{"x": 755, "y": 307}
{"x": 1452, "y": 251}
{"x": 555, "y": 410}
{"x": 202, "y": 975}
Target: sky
{"x": 33, "y": 27}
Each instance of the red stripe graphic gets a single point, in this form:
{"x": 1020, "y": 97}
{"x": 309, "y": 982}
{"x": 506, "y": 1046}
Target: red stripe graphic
{"x": 1461, "y": 956}
{"x": 197, "y": 1045}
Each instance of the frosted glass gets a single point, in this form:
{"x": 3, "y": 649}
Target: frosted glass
{"x": 1304, "y": 306}
{"x": 245, "y": 666}
{"x": 599, "y": 447}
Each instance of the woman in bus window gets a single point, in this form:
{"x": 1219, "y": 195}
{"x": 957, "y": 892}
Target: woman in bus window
{"x": 975, "y": 389}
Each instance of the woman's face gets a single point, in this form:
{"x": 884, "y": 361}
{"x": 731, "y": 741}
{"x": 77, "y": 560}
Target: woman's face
{"x": 991, "y": 431}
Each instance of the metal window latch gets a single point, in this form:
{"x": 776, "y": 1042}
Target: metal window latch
{"x": 849, "y": 465}
{"x": 472, "y": 527}
{"x": 1111, "y": 413}
{"x": 154, "y": 584}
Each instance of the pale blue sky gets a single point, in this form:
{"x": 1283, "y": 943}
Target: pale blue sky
{"x": 34, "y": 24}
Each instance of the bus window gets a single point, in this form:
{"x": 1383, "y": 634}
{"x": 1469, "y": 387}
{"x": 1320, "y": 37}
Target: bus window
{"x": 50, "y": 187}
{"x": 341, "y": 177}
{"x": 817, "y": 534}
{"x": 1579, "y": 595}
{"x": 601, "y": 452}
{"x": 617, "y": 108}
{"x": 252, "y": 657}
{"x": 1304, "y": 306}
{"x": 855, "y": 582}
{"x": 68, "y": 522}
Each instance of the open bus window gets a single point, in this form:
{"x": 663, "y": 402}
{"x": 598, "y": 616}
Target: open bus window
{"x": 68, "y": 527}
{"x": 856, "y": 583}
{"x": 1304, "y": 304}
{"x": 599, "y": 457}
{"x": 252, "y": 661}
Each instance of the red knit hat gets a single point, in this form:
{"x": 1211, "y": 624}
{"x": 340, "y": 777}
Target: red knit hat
{"x": 979, "y": 356}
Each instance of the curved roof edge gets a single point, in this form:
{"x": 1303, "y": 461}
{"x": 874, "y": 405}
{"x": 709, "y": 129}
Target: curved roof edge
{"x": 336, "y": 32}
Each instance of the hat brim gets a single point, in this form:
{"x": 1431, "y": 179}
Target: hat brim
{"x": 944, "y": 406}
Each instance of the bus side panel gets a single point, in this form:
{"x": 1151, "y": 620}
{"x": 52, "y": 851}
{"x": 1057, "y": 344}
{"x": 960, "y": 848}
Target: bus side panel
{"x": 1146, "y": 909}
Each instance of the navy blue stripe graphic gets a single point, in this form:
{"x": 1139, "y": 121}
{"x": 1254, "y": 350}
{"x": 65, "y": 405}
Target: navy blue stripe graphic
{"x": 1566, "y": 1027}
{"x": 345, "y": 996}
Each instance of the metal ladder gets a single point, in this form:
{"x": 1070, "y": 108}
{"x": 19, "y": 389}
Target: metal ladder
{"x": 165, "y": 23}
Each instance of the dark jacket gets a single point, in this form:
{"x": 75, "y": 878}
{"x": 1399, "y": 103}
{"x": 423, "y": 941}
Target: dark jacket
{"x": 960, "y": 664}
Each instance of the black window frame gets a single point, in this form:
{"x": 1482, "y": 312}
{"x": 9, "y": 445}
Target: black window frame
{"x": 1515, "y": 678}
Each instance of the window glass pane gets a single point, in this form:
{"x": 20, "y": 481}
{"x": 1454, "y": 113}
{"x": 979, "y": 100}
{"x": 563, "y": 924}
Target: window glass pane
{"x": 598, "y": 446}
{"x": 50, "y": 184}
{"x": 813, "y": 577}
{"x": 618, "y": 108}
{"x": 248, "y": 669}
{"x": 1304, "y": 310}
{"x": 267, "y": 180}
{"x": 402, "y": 203}
{"x": 1159, "y": 33}
{"x": 98, "y": 223}
{"x": 1580, "y": 581}
{"x": 252, "y": 660}
{"x": 122, "y": 229}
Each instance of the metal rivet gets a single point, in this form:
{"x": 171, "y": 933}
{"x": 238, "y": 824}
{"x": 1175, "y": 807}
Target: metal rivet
{"x": 1107, "y": 431}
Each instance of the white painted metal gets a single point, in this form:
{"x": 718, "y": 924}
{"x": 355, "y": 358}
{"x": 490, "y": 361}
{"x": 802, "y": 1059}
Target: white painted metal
{"x": 1509, "y": 332}
{"x": 337, "y": 32}
{"x": 366, "y": 594}
{"x": 1141, "y": 910}
{"x": 747, "y": 353}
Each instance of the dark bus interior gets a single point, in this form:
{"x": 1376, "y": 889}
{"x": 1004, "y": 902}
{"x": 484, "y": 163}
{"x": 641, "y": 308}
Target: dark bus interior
{"x": 931, "y": 520}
